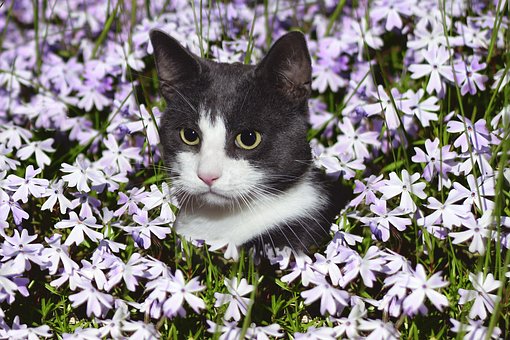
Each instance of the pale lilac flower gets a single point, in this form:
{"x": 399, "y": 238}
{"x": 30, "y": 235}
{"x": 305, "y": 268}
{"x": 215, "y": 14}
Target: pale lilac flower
{"x": 325, "y": 77}
{"x": 333, "y": 300}
{"x": 300, "y": 268}
{"x": 447, "y": 213}
{"x": 130, "y": 203}
{"x": 28, "y": 185}
{"x": 80, "y": 174}
{"x": 8, "y": 272}
{"x": 367, "y": 191}
{"x": 365, "y": 266}
{"x": 391, "y": 12}
{"x": 146, "y": 228}
{"x": 477, "y": 230}
{"x": 7, "y": 204}
{"x": 94, "y": 272}
{"x": 329, "y": 266}
{"x": 380, "y": 224}
{"x": 119, "y": 156}
{"x": 183, "y": 291}
{"x": 321, "y": 333}
{"x": 379, "y": 330}
{"x": 97, "y": 303}
{"x": 386, "y": 106}
{"x": 436, "y": 68}
{"x": 343, "y": 164}
{"x": 503, "y": 77}
{"x": 350, "y": 325}
{"x": 130, "y": 272}
{"x": 237, "y": 304}
{"x": 88, "y": 204}
{"x": 475, "y": 330}
{"x": 263, "y": 332}
{"x": 366, "y": 35}
{"x": 14, "y": 136}
{"x": 484, "y": 302}
{"x": 79, "y": 227}
{"x": 356, "y": 141}
{"x": 39, "y": 148}
{"x": 438, "y": 161}
{"x": 424, "y": 110}
{"x": 22, "y": 331}
{"x": 55, "y": 192}
{"x": 7, "y": 163}
{"x": 228, "y": 331}
{"x": 21, "y": 250}
{"x": 57, "y": 253}
{"x": 467, "y": 76}
{"x": 475, "y": 135}
{"x": 404, "y": 187}
{"x": 141, "y": 330}
{"x": 422, "y": 287}
{"x": 476, "y": 193}
{"x": 111, "y": 179}
{"x": 147, "y": 124}
{"x": 115, "y": 326}
{"x": 163, "y": 198}
{"x": 83, "y": 334}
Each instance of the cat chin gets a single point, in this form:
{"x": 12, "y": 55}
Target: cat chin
{"x": 215, "y": 199}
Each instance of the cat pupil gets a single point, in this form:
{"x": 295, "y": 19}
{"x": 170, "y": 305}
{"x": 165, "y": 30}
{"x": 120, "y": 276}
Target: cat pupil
{"x": 190, "y": 134}
{"x": 248, "y": 138}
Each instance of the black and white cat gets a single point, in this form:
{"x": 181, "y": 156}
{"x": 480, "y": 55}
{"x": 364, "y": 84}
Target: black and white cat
{"x": 234, "y": 139}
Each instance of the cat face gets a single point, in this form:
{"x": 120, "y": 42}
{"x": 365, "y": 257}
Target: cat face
{"x": 234, "y": 133}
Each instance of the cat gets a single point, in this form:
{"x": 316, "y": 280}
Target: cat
{"x": 234, "y": 138}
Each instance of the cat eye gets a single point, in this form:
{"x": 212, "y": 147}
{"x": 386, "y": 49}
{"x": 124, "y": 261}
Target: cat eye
{"x": 248, "y": 139}
{"x": 189, "y": 136}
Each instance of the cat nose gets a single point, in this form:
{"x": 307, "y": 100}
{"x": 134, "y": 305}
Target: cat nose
{"x": 208, "y": 178}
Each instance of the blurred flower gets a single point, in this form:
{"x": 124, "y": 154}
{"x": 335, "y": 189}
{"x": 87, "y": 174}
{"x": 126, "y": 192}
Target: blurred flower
{"x": 484, "y": 302}
{"x": 474, "y": 330}
{"x": 237, "y": 304}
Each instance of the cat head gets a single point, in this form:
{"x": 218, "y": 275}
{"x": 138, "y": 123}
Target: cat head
{"x": 232, "y": 133}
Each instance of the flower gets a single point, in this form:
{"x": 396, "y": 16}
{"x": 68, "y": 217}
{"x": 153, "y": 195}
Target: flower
{"x": 448, "y": 213}
{"x": 80, "y": 226}
{"x": 333, "y": 300}
{"x": 422, "y": 287}
{"x": 97, "y": 303}
{"x": 475, "y": 135}
{"x": 29, "y": 184}
{"x": 475, "y": 329}
{"x": 386, "y": 105}
{"x": 438, "y": 161}
{"x": 146, "y": 228}
{"x": 403, "y": 187}
{"x": 80, "y": 174}
{"x": 38, "y": 147}
{"x": 354, "y": 141}
{"x": 380, "y": 224}
{"x": 55, "y": 192}
{"x": 436, "y": 67}
{"x": 477, "y": 230}
{"x": 183, "y": 291}
{"x": 365, "y": 266}
{"x": 484, "y": 302}
{"x": 130, "y": 272}
{"x": 21, "y": 250}
{"x": 467, "y": 77}
{"x": 237, "y": 303}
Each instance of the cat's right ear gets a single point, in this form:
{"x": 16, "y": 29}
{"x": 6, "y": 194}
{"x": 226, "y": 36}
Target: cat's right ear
{"x": 176, "y": 66}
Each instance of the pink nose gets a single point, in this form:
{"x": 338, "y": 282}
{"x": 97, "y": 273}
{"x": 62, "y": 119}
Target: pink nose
{"x": 208, "y": 179}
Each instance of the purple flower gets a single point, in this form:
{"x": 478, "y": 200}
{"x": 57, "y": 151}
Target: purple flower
{"x": 403, "y": 187}
{"x": 477, "y": 230}
{"x": 333, "y": 300}
{"x": 365, "y": 266}
{"x": 475, "y": 135}
{"x": 39, "y": 148}
{"x": 436, "y": 67}
{"x": 379, "y": 330}
{"x": 321, "y": 333}
{"x": 484, "y": 302}
{"x": 56, "y": 254}
{"x": 237, "y": 304}
{"x": 146, "y": 228}
{"x": 20, "y": 249}
{"x": 475, "y": 330}
{"x": 422, "y": 287}
{"x": 183, "y": 291}
{"x": 467, "y": 77}
{"x": 391, "y": 11}
{"x": 448, "y": 213}
{"x": 79, "y": 227}
{"x": 147, "y": 124}
{"x": 55, "y": 192}
{"x": 437, "y": 160}
{"x": 97, "y": 303}
{"x": 367, "y": 191}
{"x": 119, "y": 156}
{"x": 356, "y": 141}
{"x": 385, "y": 106}
{"x": 130, "y": 272}
{"x": 81, "y": 174}
{"x": 30, "y": 184}
{"x": 385, "y": 218}
{"x": 424, "y": 110}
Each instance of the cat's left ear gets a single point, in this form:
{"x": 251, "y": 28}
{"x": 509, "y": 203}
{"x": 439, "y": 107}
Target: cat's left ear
{"x": 287, "y": 66}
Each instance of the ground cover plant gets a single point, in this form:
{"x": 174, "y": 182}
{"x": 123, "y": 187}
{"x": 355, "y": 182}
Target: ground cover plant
{"x": 411, "y": 108}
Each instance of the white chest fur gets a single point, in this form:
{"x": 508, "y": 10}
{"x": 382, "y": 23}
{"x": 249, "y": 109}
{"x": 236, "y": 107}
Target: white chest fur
{"x": 239, "y": 225}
